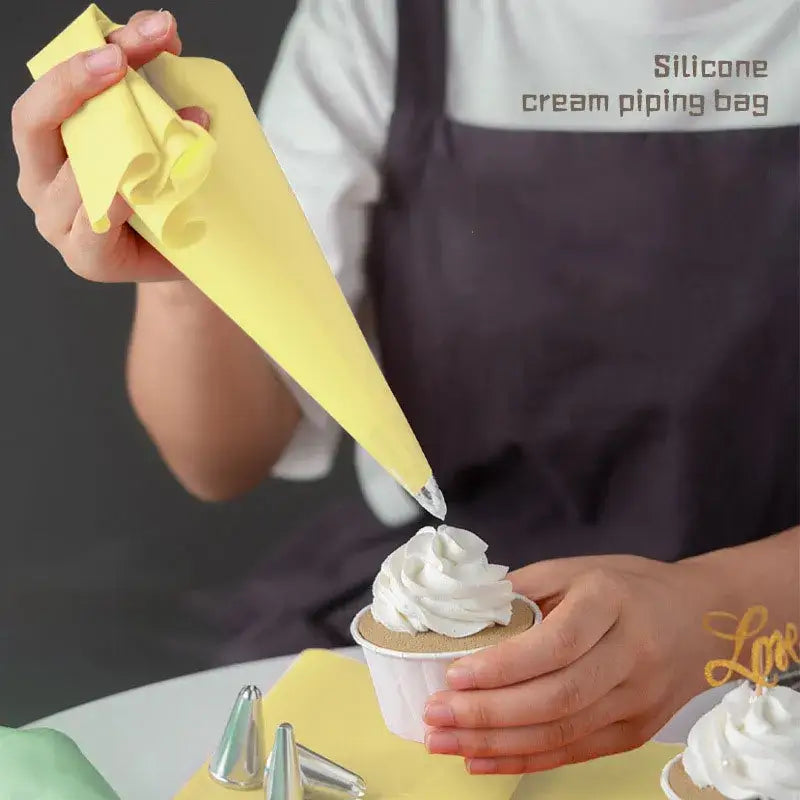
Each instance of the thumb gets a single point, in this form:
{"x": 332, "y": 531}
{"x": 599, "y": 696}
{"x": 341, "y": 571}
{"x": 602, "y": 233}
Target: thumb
{"x": 197, "y": 115}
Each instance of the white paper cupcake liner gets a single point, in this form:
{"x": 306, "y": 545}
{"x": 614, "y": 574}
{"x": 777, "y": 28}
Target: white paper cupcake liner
{"x": 665, "y": 787}
{"x": 404, "y": 681}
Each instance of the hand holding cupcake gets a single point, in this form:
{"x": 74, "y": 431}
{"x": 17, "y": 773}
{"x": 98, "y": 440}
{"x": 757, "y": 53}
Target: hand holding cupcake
{"x": 437, "y": 598}
{"x": 615, "y": 657}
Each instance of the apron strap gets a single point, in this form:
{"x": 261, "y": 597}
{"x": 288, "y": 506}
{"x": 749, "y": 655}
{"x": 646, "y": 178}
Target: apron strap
{"x": 421, "y": 55}
{"x": 419, "y": 102}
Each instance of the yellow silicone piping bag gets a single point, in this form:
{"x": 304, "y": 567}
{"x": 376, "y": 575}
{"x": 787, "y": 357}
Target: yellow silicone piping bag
{"x": 217, "y": 205}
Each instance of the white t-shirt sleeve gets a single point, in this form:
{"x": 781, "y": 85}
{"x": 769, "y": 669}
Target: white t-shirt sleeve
{"x": 326, "y": 112}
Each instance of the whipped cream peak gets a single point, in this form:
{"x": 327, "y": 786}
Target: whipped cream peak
{"x": 441, "y": 581}
{"x": 748, "y": 746}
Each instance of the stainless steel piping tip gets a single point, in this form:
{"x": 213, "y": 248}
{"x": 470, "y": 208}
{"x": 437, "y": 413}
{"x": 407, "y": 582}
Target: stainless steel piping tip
{"x": 239, "y": 760}
{"x": 323, "y": 779}
{"x": 283, "y": 779}
{"x": 431, "y": 499}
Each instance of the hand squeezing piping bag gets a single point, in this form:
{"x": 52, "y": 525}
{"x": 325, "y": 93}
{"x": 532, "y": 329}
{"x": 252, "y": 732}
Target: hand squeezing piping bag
{"x": 217, "y": 205}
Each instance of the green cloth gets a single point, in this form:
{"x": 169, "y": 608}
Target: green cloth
{"x": 43, "y": 764}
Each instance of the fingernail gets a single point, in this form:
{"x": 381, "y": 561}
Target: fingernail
{"x": 441, "y": 742}
{"x": 460, "y": 678}
{"x": 439, "y": 715}
{"x": 154, "y": 25}
{"x": 482, "y": 766}
{"x": 194, "y": 114}
{"x": 104, "y": 60}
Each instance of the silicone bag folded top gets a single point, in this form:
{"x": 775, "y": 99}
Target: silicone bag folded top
{"x": 217, "y": 205}
{"x": 129, "y": 140}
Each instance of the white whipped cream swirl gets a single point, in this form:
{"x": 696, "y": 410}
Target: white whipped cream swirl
{"x": 441, "y": 581}
{"x": 748, "y": 746}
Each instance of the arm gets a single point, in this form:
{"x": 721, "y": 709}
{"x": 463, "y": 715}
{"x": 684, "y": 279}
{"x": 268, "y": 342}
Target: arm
{"x": 205, "y": 392}
{"x": 765, "y": 572}
{"x": 208, "y": 398}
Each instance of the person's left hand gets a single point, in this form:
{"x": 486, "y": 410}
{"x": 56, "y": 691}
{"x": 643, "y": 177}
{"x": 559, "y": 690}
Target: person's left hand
{"x": 620, "y": 650}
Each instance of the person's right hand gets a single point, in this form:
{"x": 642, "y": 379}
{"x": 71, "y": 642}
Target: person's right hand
{"x": 46, "y": 182}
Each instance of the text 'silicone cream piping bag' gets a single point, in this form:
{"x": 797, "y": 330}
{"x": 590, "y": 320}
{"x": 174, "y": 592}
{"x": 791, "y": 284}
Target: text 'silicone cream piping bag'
{"x": 217, "y": 205}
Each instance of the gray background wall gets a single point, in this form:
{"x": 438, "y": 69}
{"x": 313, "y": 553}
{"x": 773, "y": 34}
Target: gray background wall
{"x": 98, "y": 545}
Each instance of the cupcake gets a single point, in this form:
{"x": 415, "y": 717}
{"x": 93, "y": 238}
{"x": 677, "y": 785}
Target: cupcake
{"x": 436, "y": 599}
{"x": 746, "y": 748}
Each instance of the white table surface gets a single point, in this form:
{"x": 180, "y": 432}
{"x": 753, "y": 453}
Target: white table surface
{"x": 148, "y": 742}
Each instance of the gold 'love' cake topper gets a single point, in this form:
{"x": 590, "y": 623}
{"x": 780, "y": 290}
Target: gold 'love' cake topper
{"x": 768, "y": 652}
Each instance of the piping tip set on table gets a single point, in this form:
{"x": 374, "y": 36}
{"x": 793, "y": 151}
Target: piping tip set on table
{"x": 289, "y": 772}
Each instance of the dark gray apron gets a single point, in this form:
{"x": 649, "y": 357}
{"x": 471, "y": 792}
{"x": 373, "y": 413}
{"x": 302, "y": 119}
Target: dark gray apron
{"x": 594, "y": 336}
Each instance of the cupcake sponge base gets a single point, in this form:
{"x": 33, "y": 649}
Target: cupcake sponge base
{"x": 685, "y": 787}
{"x": 522, "y": 618}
